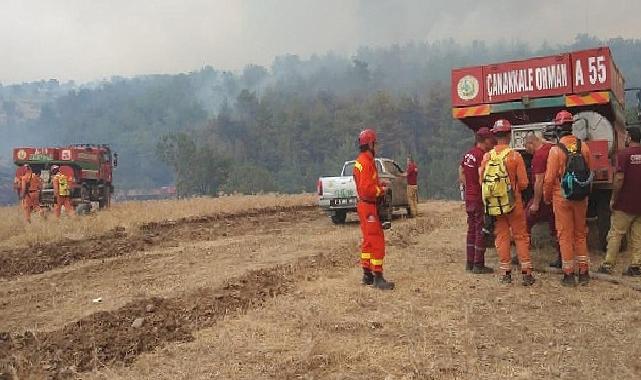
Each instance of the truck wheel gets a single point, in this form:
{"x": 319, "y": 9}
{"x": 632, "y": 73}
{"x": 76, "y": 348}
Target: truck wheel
{"x": 386, "y": 209}
{"x": 105, "y": 200}
{"x": 83, "y": 209}
{"x": 339, "y": 217}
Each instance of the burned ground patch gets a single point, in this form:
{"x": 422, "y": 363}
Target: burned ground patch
{"x": 39, "y": 258}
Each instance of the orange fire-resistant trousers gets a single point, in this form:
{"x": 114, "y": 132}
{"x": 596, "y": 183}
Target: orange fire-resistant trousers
{"x": 63, "y": 202}
{"x": 572, "y": 232}
{"x": 31, "y": 203}
{"x": 513, "y": 225}
{"x": 373, "y": 248}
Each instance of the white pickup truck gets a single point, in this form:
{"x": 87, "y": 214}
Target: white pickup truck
{"x": 337, "y": 195}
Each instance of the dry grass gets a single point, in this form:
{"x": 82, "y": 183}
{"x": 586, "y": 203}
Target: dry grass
{"x": 440, "y": 323}
{"x": 15, "y": 232}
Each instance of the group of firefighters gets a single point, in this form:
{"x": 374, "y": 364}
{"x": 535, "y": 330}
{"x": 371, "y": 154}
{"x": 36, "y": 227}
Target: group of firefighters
{"x": 29, "y": 187}
{"x": 559, "y": 198}
{"x": 551, "y": 203}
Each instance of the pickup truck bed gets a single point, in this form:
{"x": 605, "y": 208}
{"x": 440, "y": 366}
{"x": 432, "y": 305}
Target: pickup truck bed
{"x": 338, "y": 196}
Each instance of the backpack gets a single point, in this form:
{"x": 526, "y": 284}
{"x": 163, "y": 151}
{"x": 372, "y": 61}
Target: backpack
{"x": 498, "y": 195}
{"x": 577, "y": 180}
{"x": 63, "y": 186}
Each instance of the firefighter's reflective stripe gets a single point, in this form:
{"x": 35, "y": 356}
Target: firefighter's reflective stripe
{"x": 358, "y": 166}
{"x": 378, "y": 262}
{"x": 365, "y": 256}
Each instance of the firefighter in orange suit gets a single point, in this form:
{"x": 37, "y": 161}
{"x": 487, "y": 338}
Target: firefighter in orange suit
{"x": 513, "y": 223}
{"x": 30, "y": 186}
{"x": 570, "y": 214}
{"x": 370, "y": 190}
{"x": 61, "y": 191}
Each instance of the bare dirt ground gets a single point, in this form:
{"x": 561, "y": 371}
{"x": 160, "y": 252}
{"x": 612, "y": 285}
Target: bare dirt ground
{"x": 275, "y": 294}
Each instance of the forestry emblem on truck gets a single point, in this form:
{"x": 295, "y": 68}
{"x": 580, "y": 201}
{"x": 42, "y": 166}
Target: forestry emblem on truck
{"x": 468, "y": 87}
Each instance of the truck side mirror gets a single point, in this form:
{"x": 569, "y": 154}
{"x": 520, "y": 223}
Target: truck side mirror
{"x": 115, "y": 160}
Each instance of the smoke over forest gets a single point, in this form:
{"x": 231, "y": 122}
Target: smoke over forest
{"x": 215, "y": 121}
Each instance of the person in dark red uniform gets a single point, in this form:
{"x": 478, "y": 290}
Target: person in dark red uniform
{"x": 412, "y": 186}
{"x": 537, "y": 211}
{"x": 369, "y": 190}
{"x": 469, "y": 178}
{"x": 626, "y": 207}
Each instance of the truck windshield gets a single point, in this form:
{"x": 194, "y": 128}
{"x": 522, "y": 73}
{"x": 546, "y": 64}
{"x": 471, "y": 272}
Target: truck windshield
{"x": 392, "y": 169}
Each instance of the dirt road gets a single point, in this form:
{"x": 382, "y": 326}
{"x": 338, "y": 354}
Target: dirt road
{"x": 275, "y": 294}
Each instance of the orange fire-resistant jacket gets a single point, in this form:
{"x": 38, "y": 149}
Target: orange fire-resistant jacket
{"x": 556, "y": 167}
{"x": 366, "y": 177}
{"x": 34, "y": 182}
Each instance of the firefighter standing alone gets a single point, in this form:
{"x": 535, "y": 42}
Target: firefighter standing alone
{"x": 30, "y": 186}
{"x": 370, "y": 191}
{"x": 62, "y": 192}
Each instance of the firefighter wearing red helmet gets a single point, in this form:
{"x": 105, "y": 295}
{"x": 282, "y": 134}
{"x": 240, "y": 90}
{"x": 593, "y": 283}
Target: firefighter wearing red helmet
{"x": 564, "y": 118}
{"x": 30, "y": 186}
{"x": 502, "y": 125}
{"x": 370, "y": 190}
{"x": 569, "y": 213}
{"x": 503, "y": 177}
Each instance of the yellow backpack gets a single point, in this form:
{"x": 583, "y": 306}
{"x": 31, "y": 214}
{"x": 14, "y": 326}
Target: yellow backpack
{"x": 63, "y": 186}
{"x": 498, "y": 195}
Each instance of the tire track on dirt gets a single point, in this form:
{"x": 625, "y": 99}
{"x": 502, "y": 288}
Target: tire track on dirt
{"x": 40, "y": 258}
{"x": 108, "y": 337}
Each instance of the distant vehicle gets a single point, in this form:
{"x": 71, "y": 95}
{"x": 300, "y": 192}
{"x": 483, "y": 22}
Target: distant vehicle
{"x": 167, "y": 192}
{"x": 529, "y": 93}
{"x": 89, "y": 166}
{"x": 337, "y": 195}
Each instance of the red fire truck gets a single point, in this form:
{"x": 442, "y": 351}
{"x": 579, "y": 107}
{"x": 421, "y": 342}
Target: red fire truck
{"x": 89, "y": 166}
{"x": 530, "y": 92}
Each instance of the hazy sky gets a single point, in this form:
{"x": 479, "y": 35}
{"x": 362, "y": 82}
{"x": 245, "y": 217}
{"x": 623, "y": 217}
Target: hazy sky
{"x": 91, "y": 39}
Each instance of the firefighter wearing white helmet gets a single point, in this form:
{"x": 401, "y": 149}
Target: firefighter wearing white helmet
{"x": 62, "y": 191}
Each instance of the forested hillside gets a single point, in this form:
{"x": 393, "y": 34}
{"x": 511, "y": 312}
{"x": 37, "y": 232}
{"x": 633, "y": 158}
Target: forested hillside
{"x": 278, "y": 128}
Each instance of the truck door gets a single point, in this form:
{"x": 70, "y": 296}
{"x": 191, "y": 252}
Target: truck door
{"x": 398, "y": 183}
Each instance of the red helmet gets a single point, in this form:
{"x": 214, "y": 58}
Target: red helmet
{"x": 366, "y": 137}
{"x": 563, "y": 117}
{"x": 502, "y": 125}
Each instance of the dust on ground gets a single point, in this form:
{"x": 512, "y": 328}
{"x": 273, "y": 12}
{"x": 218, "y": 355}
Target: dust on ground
{"x": 294, "y": 309}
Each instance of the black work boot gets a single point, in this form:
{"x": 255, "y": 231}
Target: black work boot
{"x": 568, "y": 280}
{"x": 368, "y": 277}
{"x": 506, "y": 278}
{"x": 386, "y": 225}
{"x": 584, "y": 278}
{"x": 528, "y": 279}
{"x": 381, "y": 283}
{"x": 469, "y": 266}
{"x": 482, "y": 269}
{"x": 632, "y": 271}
